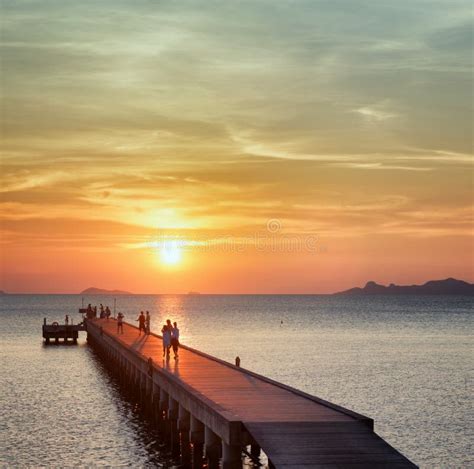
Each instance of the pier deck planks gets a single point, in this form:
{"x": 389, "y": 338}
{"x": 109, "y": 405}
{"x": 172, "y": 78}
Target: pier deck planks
{"x": 292, "y": 429}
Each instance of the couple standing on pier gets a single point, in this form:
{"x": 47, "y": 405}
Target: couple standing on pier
{"x": 144, "y": 323}
{"x": 170, "y": 338}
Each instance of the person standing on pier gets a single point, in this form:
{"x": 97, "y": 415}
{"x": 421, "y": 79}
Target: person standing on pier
{"x": 147, "y": 322}
{"x": 141, "y": 323}
{"x": 107, "y": 313}
{"x": 175, "y": 339}
{"x": 120, "y": 323}
{"x": 166, "y": 331}
{"x": 66, "y": 319}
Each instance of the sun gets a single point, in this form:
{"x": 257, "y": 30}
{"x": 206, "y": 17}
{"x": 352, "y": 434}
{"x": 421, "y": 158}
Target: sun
{"x": 170, "y": 253}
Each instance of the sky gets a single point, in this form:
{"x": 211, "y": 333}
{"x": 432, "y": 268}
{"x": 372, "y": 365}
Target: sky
{"x": 285, "y": 146}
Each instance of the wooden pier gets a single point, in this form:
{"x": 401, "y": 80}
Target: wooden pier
{"x": 208, "y": 406}
{"x": 56, "y": 331}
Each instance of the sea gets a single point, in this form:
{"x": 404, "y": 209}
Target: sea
{"x": 405, "y": 361}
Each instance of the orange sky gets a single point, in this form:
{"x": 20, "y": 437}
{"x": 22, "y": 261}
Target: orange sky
{"x": 254, "y": 148}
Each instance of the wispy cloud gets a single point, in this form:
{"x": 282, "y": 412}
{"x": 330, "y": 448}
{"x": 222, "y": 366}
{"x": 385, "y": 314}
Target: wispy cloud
{"x": 382, "y": 166}
{"x": 375, "y": 113}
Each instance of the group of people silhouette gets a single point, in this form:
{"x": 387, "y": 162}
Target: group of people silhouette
{"x": 91, "y": 311}
{"x": 169, "y": 331}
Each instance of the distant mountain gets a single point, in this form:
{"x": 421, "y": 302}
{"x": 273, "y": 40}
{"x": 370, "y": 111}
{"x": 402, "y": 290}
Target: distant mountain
{"x": 449, "y": 286}
{"x": 100, "y": 291}
{"x": 3, "y": 292}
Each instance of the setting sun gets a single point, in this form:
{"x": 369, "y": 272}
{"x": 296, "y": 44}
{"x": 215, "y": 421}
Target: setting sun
{"x": 170, "y": 253}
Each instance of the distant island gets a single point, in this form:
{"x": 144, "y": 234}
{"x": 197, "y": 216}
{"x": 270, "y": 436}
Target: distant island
{"x": 449, "y": 286}
{"x": 100, "y": 291}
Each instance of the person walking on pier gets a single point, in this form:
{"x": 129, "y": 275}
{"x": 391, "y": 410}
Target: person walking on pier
{"x": 107, "y": 313}
{"x": 141, "y": 323}
{"x": 120, "y": 323}
{"x": 166, "y": 331}
{"x": 175, "y": 339}
{"x": 147, "y": 322}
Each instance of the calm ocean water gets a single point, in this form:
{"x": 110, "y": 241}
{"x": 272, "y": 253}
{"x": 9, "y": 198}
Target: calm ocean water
{"x": 404, "y": 361}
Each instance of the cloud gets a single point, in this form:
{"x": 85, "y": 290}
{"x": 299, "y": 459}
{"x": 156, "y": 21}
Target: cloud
{"x": 375, "y": 113}
{"x": 382, "y": 166}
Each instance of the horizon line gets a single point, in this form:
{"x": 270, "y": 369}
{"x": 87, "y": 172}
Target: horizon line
{"x": 149, "y": 294}
{"x": 198, "y": 293}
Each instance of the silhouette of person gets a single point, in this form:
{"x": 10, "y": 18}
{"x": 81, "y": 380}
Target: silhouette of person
{"x": 166, "y": 331}
{"x": 147, "y": 322}
{"x": 175, "y": 339}
{"x": 119, "y": 323}
{"x": 141, "y": 323}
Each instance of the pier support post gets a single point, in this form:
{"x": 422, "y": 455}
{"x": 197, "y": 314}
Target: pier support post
{"x": 129, "y": 375}
{"x": 155, "y": 403}
{"x": 173, "y": 408}
{"x": 134, "y": 387}
{"x": 184, "y": 421}
{"x": 124, "y": 370}
{"x": 149, "y": 395}
{"x": 136, "y": 384}
{"x": 213, "y": 445}
{"x": 126, "y": 375}
{"x": 139, "y": 385}
{"x": 163, "y": 409}
{"x": 231, "y": 456}
{"x": 163, "y": 400}
{"x": 196, "y": 431}
{"x": 173, "y": 425}
{"x": 196, "y": 436}
{"x": 142, "y": 389}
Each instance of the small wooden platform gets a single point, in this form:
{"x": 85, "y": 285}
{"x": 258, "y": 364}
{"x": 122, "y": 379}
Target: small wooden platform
{"x": 294, "y": 429}
{"x": 56, "y": 331}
